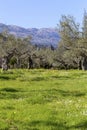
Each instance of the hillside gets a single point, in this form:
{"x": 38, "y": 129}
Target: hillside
{"x": 43, "y": 36}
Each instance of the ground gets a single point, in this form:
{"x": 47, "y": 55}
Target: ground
{"x": 41, "y": 99}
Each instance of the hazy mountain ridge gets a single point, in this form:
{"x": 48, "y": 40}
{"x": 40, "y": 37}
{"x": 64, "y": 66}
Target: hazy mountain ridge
{"x": 43, "y": 36}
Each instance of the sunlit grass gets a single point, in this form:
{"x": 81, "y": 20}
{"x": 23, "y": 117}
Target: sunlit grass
{"x": 43, "y": 100}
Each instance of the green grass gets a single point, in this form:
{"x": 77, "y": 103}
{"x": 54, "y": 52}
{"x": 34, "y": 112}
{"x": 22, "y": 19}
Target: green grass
{"x": 43, "y": 100}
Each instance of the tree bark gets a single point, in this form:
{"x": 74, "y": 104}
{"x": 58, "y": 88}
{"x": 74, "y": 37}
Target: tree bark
{"x": 4, "y": 64}
{"x": 84, "y": 63}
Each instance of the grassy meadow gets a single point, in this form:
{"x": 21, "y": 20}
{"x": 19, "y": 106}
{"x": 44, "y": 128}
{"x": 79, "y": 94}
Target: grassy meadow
{"x": 43, "y": 100}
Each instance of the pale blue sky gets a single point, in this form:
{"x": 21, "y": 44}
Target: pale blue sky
{"x": 39, "y": 13}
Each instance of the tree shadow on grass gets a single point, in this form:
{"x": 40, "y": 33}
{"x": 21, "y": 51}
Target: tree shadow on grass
{"x": 5, "y": 77}
{"x": 81, "y": 126}
{"x": 56, "y": 92}
{"x": 61, "y": 77}
{"x": 58, "y": 126}
{"x": 72, "y": 93}
{"x": 39, "y": 79}
{"x": 9, "y": 93}
{"x": 45, "y": 96}
{"x": 70, "y": 76}
{"x": 9, "y": 90}
{"x": 50, "y": 124}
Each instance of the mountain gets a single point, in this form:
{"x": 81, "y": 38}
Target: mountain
{"x": 43, "y": 36}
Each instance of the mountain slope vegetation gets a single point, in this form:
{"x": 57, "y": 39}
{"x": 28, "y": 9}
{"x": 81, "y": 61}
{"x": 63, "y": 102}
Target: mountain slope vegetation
{"x": 43, "y": 36}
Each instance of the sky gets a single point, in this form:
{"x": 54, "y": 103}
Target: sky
{"x": 40, "y": 13}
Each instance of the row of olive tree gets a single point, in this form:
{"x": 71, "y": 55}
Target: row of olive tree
{"x": 71, "y": 51}
{"x": 20, "y": 53}
{"x": 72, "y": 48}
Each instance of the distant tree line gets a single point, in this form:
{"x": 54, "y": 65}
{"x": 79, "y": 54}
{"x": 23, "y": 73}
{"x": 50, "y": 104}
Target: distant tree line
{"x": 18, "y": 52}
{"x": 71, "y": 52}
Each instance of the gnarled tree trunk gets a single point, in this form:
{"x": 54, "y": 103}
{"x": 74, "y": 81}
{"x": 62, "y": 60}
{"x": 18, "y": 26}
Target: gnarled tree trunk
{"x": 84, "y": 63}
{"x": 4, "y": 63}
{"x": 30, "y": 62}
